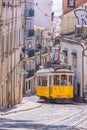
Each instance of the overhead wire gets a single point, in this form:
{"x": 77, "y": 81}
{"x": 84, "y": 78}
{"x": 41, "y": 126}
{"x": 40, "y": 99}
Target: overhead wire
{"x": 37, "y": 5}
{"x": 44, "y": 14}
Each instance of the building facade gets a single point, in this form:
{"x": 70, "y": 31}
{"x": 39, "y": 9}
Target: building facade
{"x": 11, "y": 40}
{"x": 74, "y": 44}
{"x": 29, "y": 49}
{"x": 43, "y": 11}
{"x": 69, "y": 5}
{"x": 37, "y": 40}
{"x": 76, "y": 16}
{"x": 44, "y": 18}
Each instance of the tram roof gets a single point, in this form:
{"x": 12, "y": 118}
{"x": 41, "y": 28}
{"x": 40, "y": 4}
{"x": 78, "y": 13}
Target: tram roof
{"x": 63, "y": 70}
{"x": 48, "y": 71}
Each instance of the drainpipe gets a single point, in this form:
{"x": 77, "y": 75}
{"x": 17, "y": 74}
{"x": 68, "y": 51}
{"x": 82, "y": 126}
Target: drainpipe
{"x": 83, "y": 75}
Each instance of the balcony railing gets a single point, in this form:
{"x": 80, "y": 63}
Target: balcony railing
{"x": 37, "y": 50}
{"x": 30, "y": 73}
{"x": 30, "y": 33}
{"x": 31, "y": 53}
{"x": 38, "y": 47}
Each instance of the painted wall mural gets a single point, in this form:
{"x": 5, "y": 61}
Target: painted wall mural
{"x": 81, "y": 15}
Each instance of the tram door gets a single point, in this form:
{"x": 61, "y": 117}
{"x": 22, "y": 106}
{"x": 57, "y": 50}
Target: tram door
{"x": 78, "y": 89}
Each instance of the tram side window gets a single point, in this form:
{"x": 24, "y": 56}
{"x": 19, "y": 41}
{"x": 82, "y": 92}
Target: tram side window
{"x": 50, "y": 80}
{"x": 63, "y": 80}
{"x": 70, "y": 80}
{"x": 44, "y": 81}
{"x": 39, "y": 81}
{"x": 56, "y": 80}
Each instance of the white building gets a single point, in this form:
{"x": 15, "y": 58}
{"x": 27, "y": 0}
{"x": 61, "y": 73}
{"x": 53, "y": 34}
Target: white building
{"x": 73, "y": 53}
{"x": 73, "y": 43}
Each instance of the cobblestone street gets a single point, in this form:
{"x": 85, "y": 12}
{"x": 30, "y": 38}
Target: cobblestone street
{"x": 44, "y": 116}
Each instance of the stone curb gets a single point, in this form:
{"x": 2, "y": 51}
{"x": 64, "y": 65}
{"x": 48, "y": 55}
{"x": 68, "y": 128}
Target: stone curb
{"x": 21, "y": 110}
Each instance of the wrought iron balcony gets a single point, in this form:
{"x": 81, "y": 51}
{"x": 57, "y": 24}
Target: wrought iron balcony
{"x": 38, "y": 47}
{"x": 30, "y": 33}
{"x": 31, "y": 53}
{"x": 30, "y": 13}
{"x": 30, "y": 73}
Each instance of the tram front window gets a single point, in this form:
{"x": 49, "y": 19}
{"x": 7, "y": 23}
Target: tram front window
{"x": 70, "y": 80}
{"x": 63, "y": 80}
{"x": 56, "y": 80}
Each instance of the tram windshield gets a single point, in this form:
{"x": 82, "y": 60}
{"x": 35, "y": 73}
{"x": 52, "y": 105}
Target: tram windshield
{"x": 56, "y": 80}
{"x": 64, "y": 80}
{"x": 70, "y": 80}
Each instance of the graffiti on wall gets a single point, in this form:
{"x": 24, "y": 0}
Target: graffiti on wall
{"x": 81, "y": 15}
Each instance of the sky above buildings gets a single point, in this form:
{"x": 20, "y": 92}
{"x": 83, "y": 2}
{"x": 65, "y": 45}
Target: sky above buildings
{"x": 57, "y": 7}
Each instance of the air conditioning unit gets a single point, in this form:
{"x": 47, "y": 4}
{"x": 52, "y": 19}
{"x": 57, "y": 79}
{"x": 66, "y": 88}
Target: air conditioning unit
{"x": 84, "y": 31}
{"x": 78, "y": 30}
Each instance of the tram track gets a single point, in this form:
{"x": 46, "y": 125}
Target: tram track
{"x": 70, "y": 117}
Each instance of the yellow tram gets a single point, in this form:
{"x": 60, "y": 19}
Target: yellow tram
{"x": 55, "y": 85}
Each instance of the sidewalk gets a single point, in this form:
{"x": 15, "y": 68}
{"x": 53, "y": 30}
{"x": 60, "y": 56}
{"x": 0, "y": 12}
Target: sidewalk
{"x": 25, "y": 105}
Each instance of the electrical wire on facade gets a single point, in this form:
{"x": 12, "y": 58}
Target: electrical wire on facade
{"x": 36, "y": 4}
{"x": 44, "y": 14}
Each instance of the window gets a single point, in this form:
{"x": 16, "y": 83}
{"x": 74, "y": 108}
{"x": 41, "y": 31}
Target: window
{"x": 42, "y": 81}
{"x": 50, "y": 80}
{"x": 71, "y": 3}
{"x": 26, "y": 86}
{"x": 56, "y": 80}
{"x": 70, "y": 80}
{"x": 65, "y": 54}
{"x": 63, "y": 80}
{"x": 29, "y": 85}
{"x": 74, "y": 60}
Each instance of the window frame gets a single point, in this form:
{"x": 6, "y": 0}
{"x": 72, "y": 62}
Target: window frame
{"x": 65, "y": 54}
{"x": 74, "y": 59}
{"x": 71, "y": 6}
